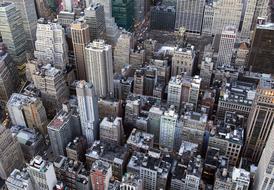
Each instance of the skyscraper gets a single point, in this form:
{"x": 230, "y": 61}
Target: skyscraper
{"x": 123, "y": 12}
{"x": 12, "y": 32}
{"x": 248, "y": 19}
{"x": 80, "y": 38}
{"x": 260, "y": 120}
{"x": 99, "y": 67}
{"x": 88, "y": 109}
{"x": 189, "y": 14}
{"x": 11, "y": 156}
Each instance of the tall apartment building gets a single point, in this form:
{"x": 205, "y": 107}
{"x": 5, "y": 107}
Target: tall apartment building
{"x": 64, "y": 127}
{"x": 27, "y": 111}
{"x": 248, "y": 19}
{"x": 123, "y": 12}
{"x": 80, "y": 38}
{"x": 8, "y": 76}
{"x": 226, "y": 47}
{"x": 111, "y": 130}
{"x": 189, "y": 14}
{"x": 260, "y": 120}
{"x": 175, "y": 92}
{"x": 11, "y": 156}
{"x": 183, "y": 61}
{"x": 208, "y": 18}
{"x": 122, "y": 50}
{"x": 226, "y": 13}
{"x": 261, "y": 54}
{"x": 100, "y": 174}
{"x": 29, "y": 17}
{"x": 95, "y": 19}
{"x": 19, "y": 180}
{"x": 206, "y": 72}
{"x": 88, "y": 110}
{"x": 51, "y": 45}
{"x": 42, "y": 173}
{"x": 168, "y": 129}
{"x": 99, "y": 67}
{"x": 12, "y": 32}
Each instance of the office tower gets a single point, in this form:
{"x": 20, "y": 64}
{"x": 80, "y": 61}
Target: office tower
{"x": 208, "y": 18}
{"x": 112, "y": 31}
{"x": 11, "y": 156}
{"x": 76, "y": 149}
{"x": 240, "y": 179}
{"x": 12, "y": 32}
{"x": 31, "y": 141}
{"x": 109, "y": 108}
{"x": 88, "y": 110}
{"x": 27, "y": 111}
{"x": 139, "y": 81}
{"x": 100, "y": 174}
{"x": 111, "y": 130}
{"x": 261, "y": 51}
{"x": 265, "y": 170}
{"x": 136, "y": 58}
{"x": 122, "y": 50}
{"x": 8, "y": 76}
{"x": 162, "y": 68}
{"x": 154, "y": 119}
{"x": 50, "y": 45}
{"x": 226, "y": 13}
{"x": 64, "y": 127}
{"x": 68, "y": 5}
{"x": 167, "y": 15}
{"x": 261, "y": 10}
{"x": 42, "y": 173}
{"x": 189, "y": 14}
{"x": 149, "y": 47}
{"x": 19, "y": 180}
{"x": 95, "y": 19}
{"x": 194, "y": 91}
{"x": 132, "y": 182}
{"x": 139, "y": 11}
{"x": 99, "y": 67}
{"x": 183, "y": 61}
{"x": 29, "y": 17}
{"x": 80, "y": 38}
{"x": 226, "y": 47}
{"x": 168, "y": 124}
{"x": 123, "y": 12}
{"x": 175, "y": 92}
{"x": 206, "y": 72}
{"x": 242, "y": 55}
{"x": 260, "y": 120}
{"x": 248, "y": 19}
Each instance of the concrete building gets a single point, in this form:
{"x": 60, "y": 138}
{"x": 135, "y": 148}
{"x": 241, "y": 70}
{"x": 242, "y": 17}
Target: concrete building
{"x": 248, "y": 19}
{"x": 189, "y": 14}
{"x": 206, "y": 72}
{"x": 240, "y": 179}
{"x": 111, "y": 130}
{"x": 162, "y": 68}
{"x": 139, "y": 81}
{"x": 226, "y": 47}
{"x": 100, "y": 174}
{"x": 42, "y": 173}
{"x": 83, "y": 181}
{"x": 51, "y": 45}
{"x": 183, "y": 61}
{"x": 80, "y": 38}
{"x": 259, "y": 120}
{"x": 27, "y": 111}
{"x": 223, "y": 178}
{"x": 19, "y": 180}
{"x": 64, "y": 127}
{"x": 167, "y": 14}
{"x": 154, "y": 119}
{"x": 88, "y": 110}
{"x": 99, "y": 67}
{"x": 140, "y": 141}
{"x": 136, "y": 58}
{"x": 95, "y": 19}
{"x": 208, "y": 18}
{"x": 13, "y": 37}
{"x": 122, "y": 50}
{"x": 150, "y": 48}
{"x": 123, "y": 12}
{"x": 175, "y": 92}
{"x": 109, "y": 108}
{"x": 11, "y": 156}
{"x": 167, "y": 129}
{"x": 242, "y": 55}
{"x": 132, "y": 182}
{"x": 76, "y": 149}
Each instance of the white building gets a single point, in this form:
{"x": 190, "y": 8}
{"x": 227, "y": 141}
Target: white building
{"x": 248, "y": 19}
{"x": 88, "y": 109}
{"x": 99, "y": 67}
{"x": 131, "y": 182}
{"x": 240, "y": 179}
{"x": 226, "y": 47}
{"x": 19, "y": 180}
{"x": 208, "y": 19}
{"x": 111, "y": 130}
{"x": 175, "y": 92}
{"x": 42, "y": 173}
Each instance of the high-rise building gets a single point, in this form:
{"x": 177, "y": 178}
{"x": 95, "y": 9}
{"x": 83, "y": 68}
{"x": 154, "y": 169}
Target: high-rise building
{"x": 154, "y": 119}
{"x": 226, "y": 47}
{"x": 131, "y": 182}
{"x": 27, "y": 111}
{"x": 261, "y": 51}
{"x": 29, "y": 17}
{"x": 208, "y": 18}
{"x": 99, "y": 67}
{"x": 76, "y": 149}
{"x": 50, "y": 45}
{"x": 242, "y": 55}
{"x": 42, "y": 173}
{"x": 206, "y": 72}
{"x": 100, "y": 174}
{"x": 123, "y": 12}
{"x": 111, "y": 130}
{"x": 12, "y": 32}
{"x": 80, "y": 38}
{"x": 240, "y": 179}
{"x": 260, "y": 120}
{"x": 167, "y": 15}
{"x": 19, "y": 180}
{"x": 11, "y": 156}
{"x": 136, "y": 141}
{"x": 248, "y": 19}
{"x": 95, "y": 19}
{"x": 88, "y": 110}
{"x": 189, "y": 14}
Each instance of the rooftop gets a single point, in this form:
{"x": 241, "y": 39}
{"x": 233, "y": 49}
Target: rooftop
{"x": 68, "y": 165}
{"x": 101, "y": 166}
{"x": 27, "y": 136}
{"x": 47, "y": 70}
{"x": 19, "y": 100}
{"x": 19, "y": 178}
{"x": 140, "y": 139}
